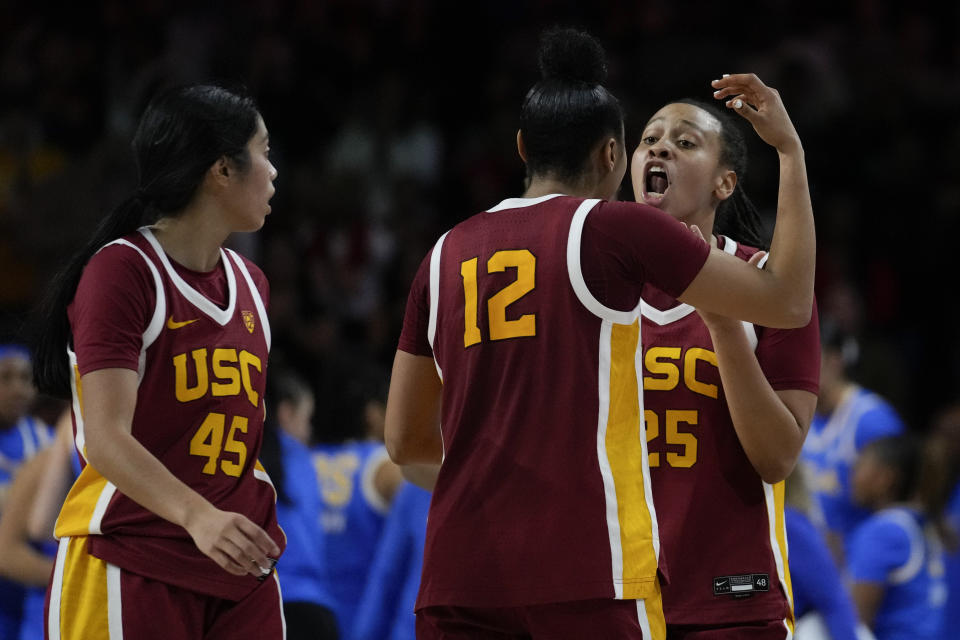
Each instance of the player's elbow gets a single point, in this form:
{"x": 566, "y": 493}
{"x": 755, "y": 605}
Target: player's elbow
{"x": 793, "y": 314}
{"x": 776, "y": 470}
{"x": 401, "y": 446}
{"x": 95, "y": 453}
{"x": 776, "y": 467}
{"x": 407, "y": 445}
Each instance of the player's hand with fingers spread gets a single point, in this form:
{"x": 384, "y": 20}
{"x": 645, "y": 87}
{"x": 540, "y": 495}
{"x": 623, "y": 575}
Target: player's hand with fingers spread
{"x": 761, "y": 105}
{"x": 232, "y": 541}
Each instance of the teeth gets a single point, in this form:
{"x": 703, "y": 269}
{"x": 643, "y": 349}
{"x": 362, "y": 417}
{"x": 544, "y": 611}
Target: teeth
{"x": 657, "y": 170}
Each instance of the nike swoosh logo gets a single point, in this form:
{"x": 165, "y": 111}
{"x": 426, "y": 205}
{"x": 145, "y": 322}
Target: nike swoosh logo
{"x": 177, "y": 325}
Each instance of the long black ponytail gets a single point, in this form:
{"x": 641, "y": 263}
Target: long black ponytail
{"x": 182, "y": 133}
{"x": 737, "y": 216}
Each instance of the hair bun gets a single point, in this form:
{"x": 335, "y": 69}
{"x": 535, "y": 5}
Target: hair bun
{"x": 572, "y": 56}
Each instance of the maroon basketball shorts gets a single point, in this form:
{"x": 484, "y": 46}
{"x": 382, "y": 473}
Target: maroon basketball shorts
{"x": 762, "y": 630}
{"x": 605, "y": 618}
{"x": 89, "y": 599}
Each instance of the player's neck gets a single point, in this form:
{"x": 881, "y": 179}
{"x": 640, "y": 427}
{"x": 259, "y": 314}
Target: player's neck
{"x": 545, "y": 186}
{"x": 193, "y": 238}
{"x": 704, "y": 221}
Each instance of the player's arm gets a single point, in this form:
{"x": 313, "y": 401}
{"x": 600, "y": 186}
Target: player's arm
{"x": 230, "y": 539}
{"x": 412, "y": 424}
{"x": 18, "y": 560}
{"x": 780, "y": 295}
{"x": 770, "y": 424}
{"x": 387, "y": 479}
{"x": 54, "y": 483}
{"x": 867, "y": 597}
{"x": 422, "y": 475}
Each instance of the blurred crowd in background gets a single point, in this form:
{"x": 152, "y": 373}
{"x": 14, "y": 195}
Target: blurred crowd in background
{"x": 391, "y": 121}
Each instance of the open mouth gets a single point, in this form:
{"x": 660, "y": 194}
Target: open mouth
{"x": 655, "y": 183}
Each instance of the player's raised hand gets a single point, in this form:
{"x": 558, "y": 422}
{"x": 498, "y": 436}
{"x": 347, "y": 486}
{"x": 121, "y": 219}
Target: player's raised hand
{"x": 761, "y": 105}
{"x": 233, "y": 542}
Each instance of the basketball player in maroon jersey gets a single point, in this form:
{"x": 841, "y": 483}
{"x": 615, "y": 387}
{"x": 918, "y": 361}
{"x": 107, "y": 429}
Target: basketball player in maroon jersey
{"x": 727, "y": 404}
{"x": 521, "y": 338}
{"x": 160, "y": 336}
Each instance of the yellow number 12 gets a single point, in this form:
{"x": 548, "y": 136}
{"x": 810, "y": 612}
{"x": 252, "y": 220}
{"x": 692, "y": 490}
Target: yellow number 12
{"x": 500, "y": 328}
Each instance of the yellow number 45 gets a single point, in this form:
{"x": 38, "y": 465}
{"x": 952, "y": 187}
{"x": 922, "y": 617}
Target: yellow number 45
{"x": 208, "y": 443}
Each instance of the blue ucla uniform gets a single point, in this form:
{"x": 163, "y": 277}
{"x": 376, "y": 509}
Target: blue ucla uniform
{"x": 386, "y": 609}
{"x": 817, "y": 585}
{"x": 894, "y": 548}
{"x": 950, "y": 628}
{"x": 300, "y": 569}
{"x": 18, "y": 444}
{"x": 32, "y": 626}
{"x": 352, "y": 514}
{"x": 832, "y": 446}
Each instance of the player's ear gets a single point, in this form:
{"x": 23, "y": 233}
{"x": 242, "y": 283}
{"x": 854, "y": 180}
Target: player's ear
{"x": 521, "y": 147}
{"x": 609, "y": 153}
{"x": 220, "y": 170}
{"x": 725, "y": 184}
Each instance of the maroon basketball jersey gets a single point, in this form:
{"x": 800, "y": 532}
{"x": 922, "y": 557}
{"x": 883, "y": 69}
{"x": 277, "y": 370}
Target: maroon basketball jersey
{"x": 199, "y": 410}
{"x": 721, "y": 525}
{"x": 543, "y": 494}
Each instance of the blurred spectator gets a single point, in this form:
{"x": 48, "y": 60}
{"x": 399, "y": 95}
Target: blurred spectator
{"x": 848, "y": 418}
{"x": 27, "y": 546}
{"x": 820, "y": 597}
{"x": 357, "y": 484}
{"x": 21, "y": 438}
{"x": 945, "y": 437}
{"x": 895, "y": 557}
{"x": 307, "y": 604}
{"x": 386, "y": 608}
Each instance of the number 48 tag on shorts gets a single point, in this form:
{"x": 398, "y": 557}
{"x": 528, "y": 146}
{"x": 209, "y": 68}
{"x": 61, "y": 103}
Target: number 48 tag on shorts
{"x": 741, "y": 585}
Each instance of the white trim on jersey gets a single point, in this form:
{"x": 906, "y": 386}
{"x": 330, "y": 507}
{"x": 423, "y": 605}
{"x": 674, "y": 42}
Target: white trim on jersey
{"x": 435, "y": 298}
{"x": 255, "y": 293}
{"x": 155, "y": 326}
{"x": 606, "y": 472}
{"x": 263, "y": 476}
{"x": 682, "y": 310}
{"x": 642, "y": 435}
{"x": 367, "y": 486}
{"x": 96, "y": 519}
{"x": 779, "y": 555}
{"x": 197, "y": 299}
{"x": 644, "y": 619}
{"x": 56, "y": 589}
{"x": 576, "y": 274}
{"x": 79, "y": 439}
{"x": 517, "y": 203}
{"x": 909, "y": 570}
{"x": 283, "y": 618}
{"x": 114, "y": 603}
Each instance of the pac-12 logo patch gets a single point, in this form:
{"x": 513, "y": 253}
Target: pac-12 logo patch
{"x": 248, "y": 320}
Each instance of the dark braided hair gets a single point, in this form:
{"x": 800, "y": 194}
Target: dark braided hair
{"x": 737, "y": 216}
{"x": 569, "y": 110}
